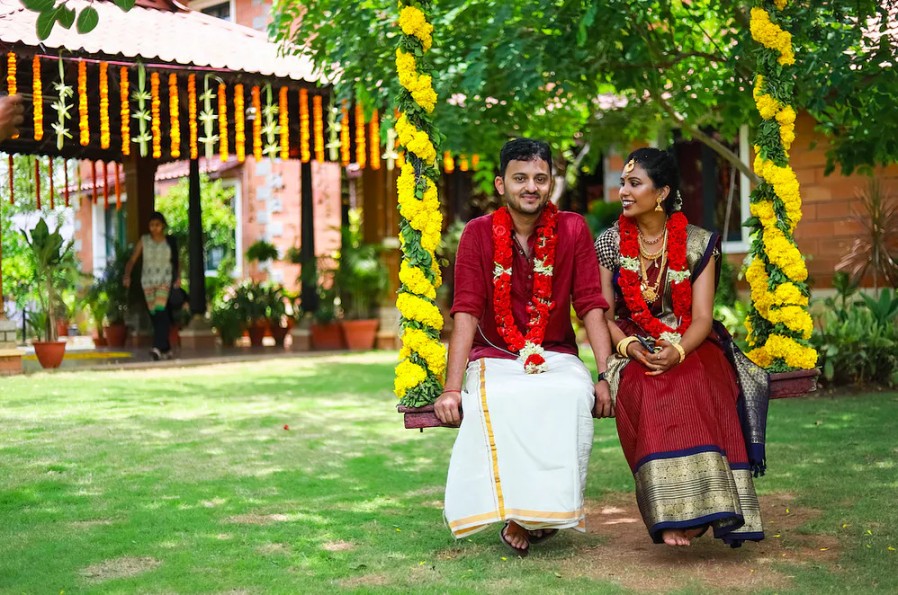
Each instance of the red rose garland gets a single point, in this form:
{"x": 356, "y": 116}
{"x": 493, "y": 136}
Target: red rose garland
{"x": 677, "y": 271}
{"x": 530, "y": 346}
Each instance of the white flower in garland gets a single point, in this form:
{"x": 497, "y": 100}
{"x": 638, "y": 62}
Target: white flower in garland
{"x": 678, "y": 276}
{"x": 674, "y": 338}
{"x": 531, "y": 349}
{"x": 631, "y": 264}
{"x": 539, "y": 266}
{"x": 498, "y": 271}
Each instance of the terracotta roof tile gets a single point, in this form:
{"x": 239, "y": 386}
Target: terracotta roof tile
{"x": 184, "y": 37}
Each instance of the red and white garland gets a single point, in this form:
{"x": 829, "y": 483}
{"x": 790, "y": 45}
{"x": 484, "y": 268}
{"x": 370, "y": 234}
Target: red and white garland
{"x": 678, "y": 273}
{"x": 529, "y": 347}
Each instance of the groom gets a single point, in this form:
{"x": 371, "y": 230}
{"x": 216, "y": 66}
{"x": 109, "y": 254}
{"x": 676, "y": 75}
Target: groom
{"x": 521, "y": 454}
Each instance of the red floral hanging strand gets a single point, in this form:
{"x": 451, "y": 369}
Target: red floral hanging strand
{"x": 528, "y": 346}
{"x": 678, "y": 273}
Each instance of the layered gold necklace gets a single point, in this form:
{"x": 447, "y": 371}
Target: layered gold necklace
{"x": 651, "y": 292}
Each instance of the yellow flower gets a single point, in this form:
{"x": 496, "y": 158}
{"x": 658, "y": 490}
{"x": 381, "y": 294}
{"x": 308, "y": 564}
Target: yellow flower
{"x": 416, "y": 281}
{"x": 408, "y": 375}
{"x": 780, "y": 4}
{"x": 413, "y": 22}
{"x": 771, "y": 36}
{"x": 415, "y": 308}
{"x": 431, "y": 350}
{"x": 415, "y": 140}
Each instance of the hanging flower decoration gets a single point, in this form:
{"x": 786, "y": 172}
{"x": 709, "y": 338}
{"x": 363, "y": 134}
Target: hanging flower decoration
{"x": 463, "y": 163}
{"x": 192, "y": 131}
{"x": 344, "y": 134}
{"x": 448, "y": 162}
{"x": 104, "y": 105}
{"x": 257, "y": 124}
{"x": 778, "y": 321}
{"x": 334, "y": 133}
{"x": 283, "y": 123}
{"x": 124, "y": 111}
{"x": 270, "y": 129}
{"x": 422, "y": 365}
{"x": 142, "y": 115}
{"x": 62, "y": 107}
{"x": 11, "y": 85}
{"x": 374, "y": 142}
{"x": 155, "y": 115}
{"x": 361, "y": 150}
{"x": 83, "y": 124}
{"x": 318, "y": 116}
{"x": 239, "y": 124}
{"x": 222, "y": 122}
{"x": 37, "y": 96}
{"x": 174, "y": 123}
{"x": 208, "y": 118}
{"x": 305, "y": 153}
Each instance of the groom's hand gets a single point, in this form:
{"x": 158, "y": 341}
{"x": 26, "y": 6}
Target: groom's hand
{"x": 447, "y": 408}
{"x": 603, "y": 407}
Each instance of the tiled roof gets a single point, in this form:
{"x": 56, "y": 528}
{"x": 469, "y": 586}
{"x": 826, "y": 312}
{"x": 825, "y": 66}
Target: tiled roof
{"x": 179, "y": 37}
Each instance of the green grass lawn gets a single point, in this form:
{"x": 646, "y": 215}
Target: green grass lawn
{"x": 296, "y": 476}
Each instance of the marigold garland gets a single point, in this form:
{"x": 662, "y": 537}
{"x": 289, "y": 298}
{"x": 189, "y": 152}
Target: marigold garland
{"x": 344, "y": 134}
{"x": 174, "y": 113}
{"x": 374, "y": 140}
{"x": 11, "y": 85}
{"x": 104, "y": 106}
{"x": 155, "y": 115}
{"x": 83, "y": 124}
{"x": 361, "y": 149}
{"x": 284, "y": 123}
{"x": 448, "y": 162}
{"x": 38, "y": 98}
{"x": 124, "y": 111}
{"x": 463, "y": 163}
{"x": 223, "y": 147}
{"x": 305, "y": 153}
{"x": 239, "y": 124}
{"x": 191, "y": 117}
{"x": 257, "y": 123}
{"x": 318, "y": 126}
{"x": 419, "y": 375}
{"x": 778, "y": 321}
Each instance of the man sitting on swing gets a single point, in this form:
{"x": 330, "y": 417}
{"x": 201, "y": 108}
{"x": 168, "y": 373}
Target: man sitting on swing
{"x": 522, "y": 452}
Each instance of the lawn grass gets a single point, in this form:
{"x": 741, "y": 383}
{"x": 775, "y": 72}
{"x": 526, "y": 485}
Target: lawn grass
{"x": 188, "y": 481}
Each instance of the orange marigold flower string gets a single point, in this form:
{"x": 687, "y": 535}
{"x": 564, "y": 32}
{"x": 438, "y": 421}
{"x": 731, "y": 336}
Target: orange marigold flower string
{"x": 104, "y": 105}
{"x": 83, "y": 125}
{"x": 191, "y": 116}
{"x": 174, "y": 116}
{"x": 155, "y": 115}
{"x": 11, "y": 86}
{"x": 125, "y": 111}
{"x": 38, "y": 99}
{"x": 318, "y": 115}
{"x": 239, "y": 124}
{"x": 361, "y": 152}
{"x": 257, "y": 123}
{"x": 448, "y": 162}
{"x": 222, "y": 122}
{"x": 374, "y": 131}
{"x": 344, "y": 134}
{"x": 305, "y": 153}
{"x": 284, "y": 123}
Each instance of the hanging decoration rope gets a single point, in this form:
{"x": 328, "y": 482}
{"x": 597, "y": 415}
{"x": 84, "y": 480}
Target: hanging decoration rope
{"x": 11, "y": 85}
{"x": 208, "y": 118}
{"x": 361, "y": 151}
{"x": 283, "y": 124}
{"x": 104, "y": 105}
{"x": 62, "y": 108}
{"x": 778, "y": 321}
{"x": 38, "y": 98}
{"x": 270, "y": 129}
{"x": 125, "y": 110}
{"x": 344, "y": 134}
{"x": 142, "y": 115}
{"x": 422, "y": 360}
{"x": 374, "y": 142}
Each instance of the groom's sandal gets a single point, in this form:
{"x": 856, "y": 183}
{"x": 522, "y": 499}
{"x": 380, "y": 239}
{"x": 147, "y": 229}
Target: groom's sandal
{"x": 547, "y": 534}
{"x": 520, "y": 552}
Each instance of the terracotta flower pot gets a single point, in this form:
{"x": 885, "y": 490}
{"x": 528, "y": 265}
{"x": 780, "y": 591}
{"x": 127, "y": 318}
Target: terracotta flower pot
{"x": 793, "y": 384}
{"x": 116, "y": 335}
{"x": 100, "y": 341}
{"x": 278, "y": 333}
{"x": 49, "y": 353}
{"x": 257, "y": 332}
{"x": 326, "y": 336}
{"x": 359, "y": 334}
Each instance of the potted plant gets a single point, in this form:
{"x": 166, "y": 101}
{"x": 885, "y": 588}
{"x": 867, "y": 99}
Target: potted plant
{"x": 227, "y": 318}
{"x": 325, "y": 332}
{"x": 250, "y": 298}
{"x": 361, "y": 281}
{"x": 275, "y": 300}
{"x": 261, "y": 251}
{"x": 117, "y": 296}
{"x": 98, "y": 303}
{"x": 53, "y": 259}
{"x": 299, "y": 323}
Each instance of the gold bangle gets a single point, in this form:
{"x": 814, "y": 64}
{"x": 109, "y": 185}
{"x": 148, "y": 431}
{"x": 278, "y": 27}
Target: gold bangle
{"x": 623, "y": 344}
{"x": 682, "y": 351}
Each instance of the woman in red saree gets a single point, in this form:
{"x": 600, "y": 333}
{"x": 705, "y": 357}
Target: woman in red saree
{"x": 691, "y": 432}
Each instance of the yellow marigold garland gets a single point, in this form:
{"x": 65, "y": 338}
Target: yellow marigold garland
{"x": 344, "y": 134}
{"x": 11, "y": 85}
{"x": 239, "y": 124}
{"x": 173, "y": 116}
{"x": 38, "y": 98}
{"x": 257, "y": 123}
{"x": 83, "y": 125}
{"x": 448, "y": 162}
{"x": 422, "y": 366}
{"x": 305, "y": 152}
{"x": 374, "y": 140}
{"x": 156, "y": 115}
{"x": 284, "y": 124}
{"x": 192, "y": 131}
{"x": 124, "y": 110}
{"x": 361, "y": 149}
{"x": 778, "y": 322}
{"x": 318, "y": 117}
{"x": 105, "y": 133}
{"x": 223, "y": 148}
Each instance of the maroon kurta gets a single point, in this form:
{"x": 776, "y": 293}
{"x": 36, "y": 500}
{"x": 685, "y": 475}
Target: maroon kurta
{"x": 575, "y": 281}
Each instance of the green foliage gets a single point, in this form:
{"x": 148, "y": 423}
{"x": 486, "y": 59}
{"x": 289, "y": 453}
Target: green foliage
{"x": 51, "y": 12}
{"x": 726, "y": 294}
{"x": 858, "y": 339}
{"x": 260, "y": 251}
{"x": 227, "y": 318}
{"x": 53, "y": 261}
{"x": 361, "y": 277}
{"x": 602, "y": 215}
{"x": 875, "y": 249}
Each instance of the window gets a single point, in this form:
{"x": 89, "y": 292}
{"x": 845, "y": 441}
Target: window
{"x": 219, "y": 10}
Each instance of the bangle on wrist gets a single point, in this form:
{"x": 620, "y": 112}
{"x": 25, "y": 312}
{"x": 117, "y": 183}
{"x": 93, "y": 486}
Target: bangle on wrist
{"x": 451, "y": 390}
{"x": 681, "y": 351}
{"x": 623, "y": 344}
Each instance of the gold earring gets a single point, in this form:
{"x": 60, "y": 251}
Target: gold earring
{"x": 658, "y": 206}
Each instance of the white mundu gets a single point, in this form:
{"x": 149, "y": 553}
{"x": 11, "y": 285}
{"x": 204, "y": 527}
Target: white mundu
{"x": 523, "y": 448}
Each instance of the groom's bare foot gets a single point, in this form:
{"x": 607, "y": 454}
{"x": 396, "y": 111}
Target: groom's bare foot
{"x": 676, "y": 537}
{"x": 517, "y": 536}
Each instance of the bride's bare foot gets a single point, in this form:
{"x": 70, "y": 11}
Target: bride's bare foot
{"x": 694, "y": 533}
{"x": 675, "y": 537}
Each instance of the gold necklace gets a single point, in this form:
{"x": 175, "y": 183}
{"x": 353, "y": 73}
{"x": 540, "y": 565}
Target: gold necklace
{"x": 651, "y": 242}
{"x": 650, "y": 292}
